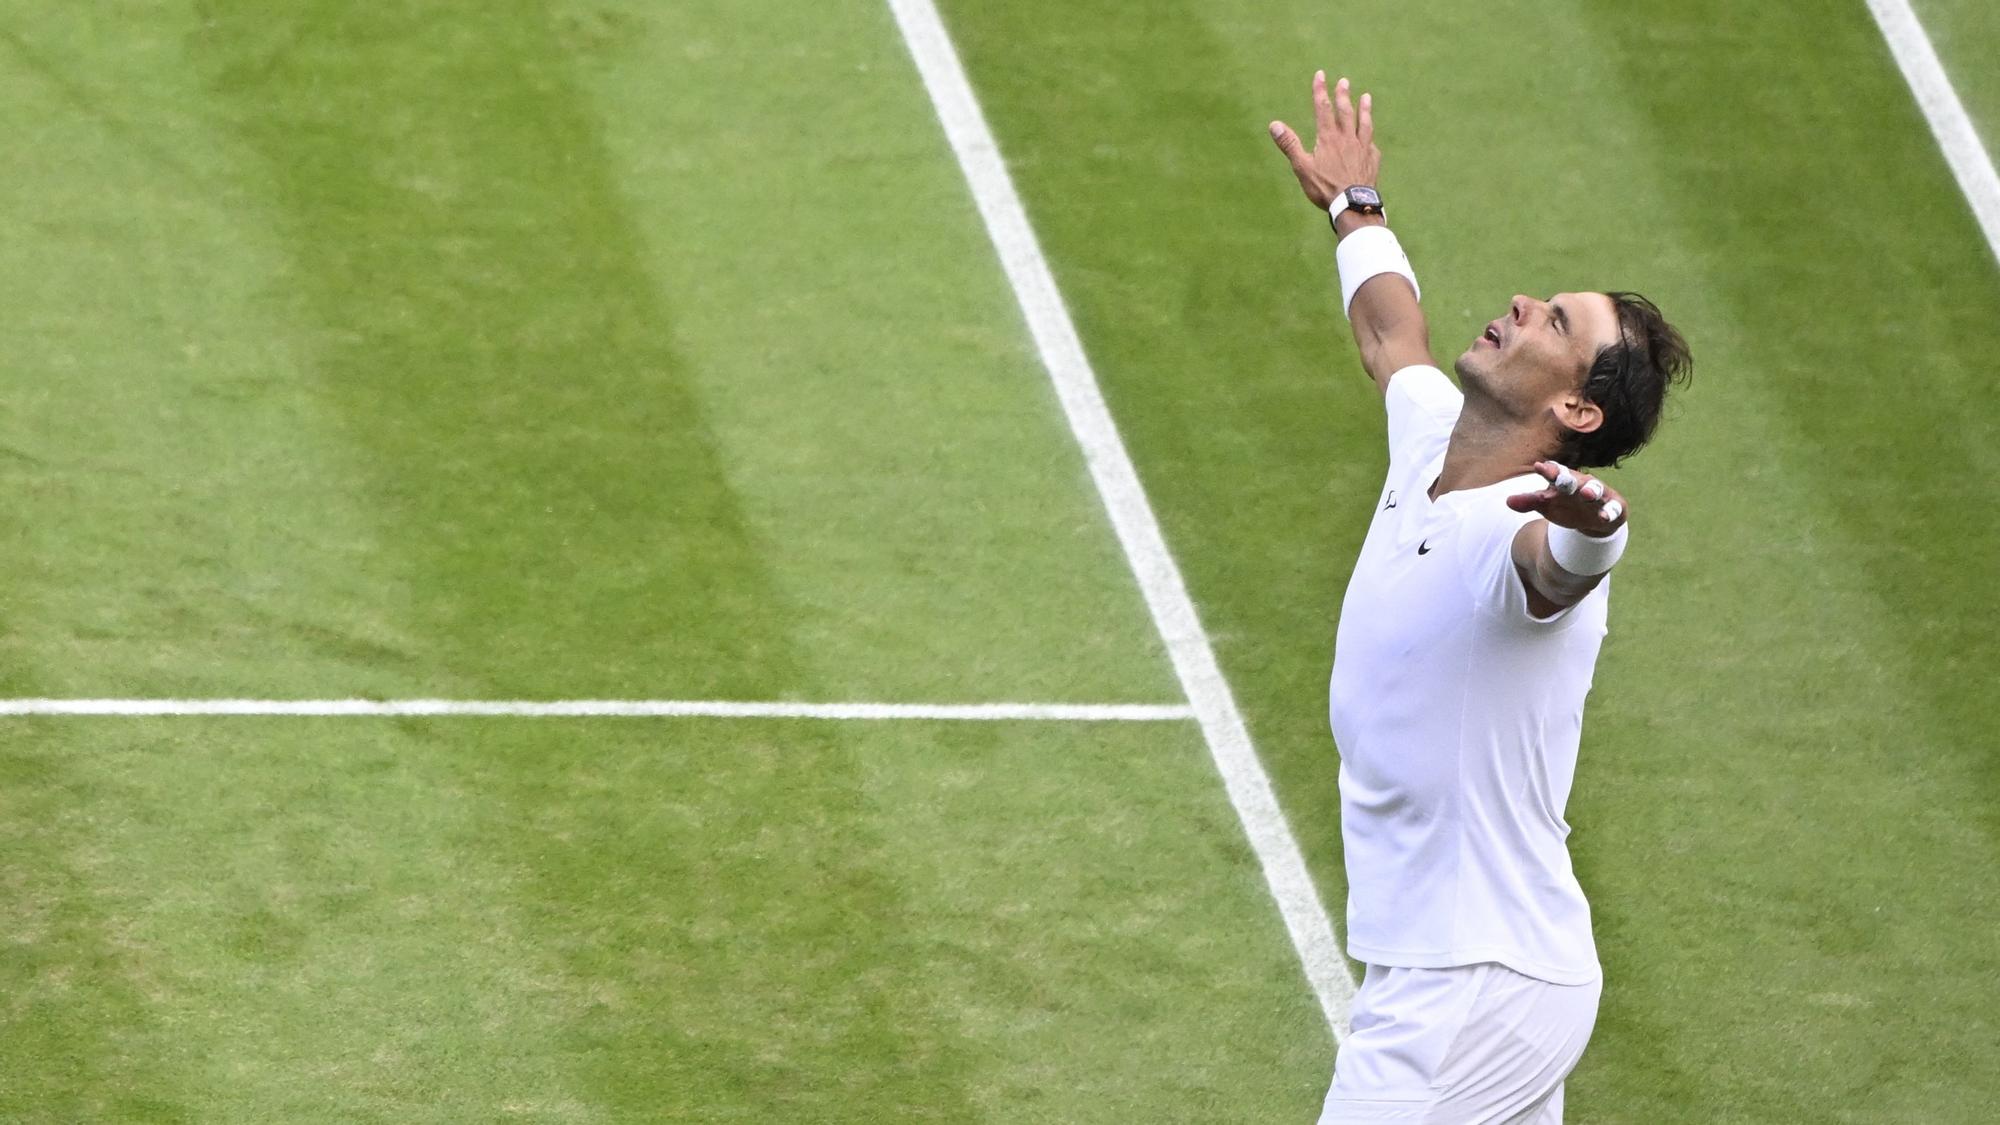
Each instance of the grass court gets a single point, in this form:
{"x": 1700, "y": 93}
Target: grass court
{"x": 615, "y": 349}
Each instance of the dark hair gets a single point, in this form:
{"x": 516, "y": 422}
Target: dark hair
{"x": 1628, "y": 381}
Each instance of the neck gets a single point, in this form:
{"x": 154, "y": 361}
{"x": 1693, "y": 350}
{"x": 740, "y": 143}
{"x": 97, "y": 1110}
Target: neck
{"x": 1487, "y": 448}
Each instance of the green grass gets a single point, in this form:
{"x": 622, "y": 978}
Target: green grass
{"x": 564, "y": 349}
{"x": 605, "y": 920}
{"x": 1963, "y": 32}
{"x": 1789, "y": 769}
{"x": 466, "y": 353}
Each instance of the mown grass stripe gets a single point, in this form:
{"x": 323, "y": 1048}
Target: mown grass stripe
{"x": 1117, "y": 482}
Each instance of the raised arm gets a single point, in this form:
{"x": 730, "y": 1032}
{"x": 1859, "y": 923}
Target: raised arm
{"x": 1388, "y": 323}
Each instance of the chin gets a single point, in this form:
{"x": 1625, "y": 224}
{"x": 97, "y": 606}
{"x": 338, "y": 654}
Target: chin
{"x": 1479, "y": 376}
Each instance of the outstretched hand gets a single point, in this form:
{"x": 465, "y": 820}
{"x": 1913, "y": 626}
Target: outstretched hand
{"x": 1578, "y": 501}
{"x": 1343, "y": 153}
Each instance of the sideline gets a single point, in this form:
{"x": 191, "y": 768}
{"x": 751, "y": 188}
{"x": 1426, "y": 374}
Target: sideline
{"x": 1131, "y": 515}
{"x": 1949, "y": 122}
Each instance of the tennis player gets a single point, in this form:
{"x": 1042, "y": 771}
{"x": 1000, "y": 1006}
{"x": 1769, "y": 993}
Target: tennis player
{"x": 1466, "y": 645}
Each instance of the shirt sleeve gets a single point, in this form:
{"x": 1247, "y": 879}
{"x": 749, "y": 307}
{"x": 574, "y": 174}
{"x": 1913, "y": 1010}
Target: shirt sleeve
{"x": 1485, "y": 544}
{"x": 1422, "y": 404}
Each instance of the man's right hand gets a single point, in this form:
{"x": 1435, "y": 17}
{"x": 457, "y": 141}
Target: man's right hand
{"x": 1344, "y": 152}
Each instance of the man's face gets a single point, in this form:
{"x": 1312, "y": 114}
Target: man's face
{"x": 1534, "y": 359}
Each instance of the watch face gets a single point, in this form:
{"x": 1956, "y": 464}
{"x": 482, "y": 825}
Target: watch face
{"x": 1360, "y": 198}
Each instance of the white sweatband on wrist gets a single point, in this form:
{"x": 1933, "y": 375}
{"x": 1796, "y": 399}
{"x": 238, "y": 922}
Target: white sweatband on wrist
{"x": 1370, "y": 252}
{"x": 1586, "y": 555}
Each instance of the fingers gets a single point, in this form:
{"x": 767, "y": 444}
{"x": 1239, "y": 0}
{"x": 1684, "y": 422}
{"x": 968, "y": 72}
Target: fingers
{"x": 1289, "y": 144}
{"x": 1560, "y": 477}
{"x": 1295, "y": 152}
{"x": 1532, "y": 501}
{"x": 1322, "y": 105}
{"x": 1343, "y": 107}
{"x": 1336, "y": 113}
{"x": 1566, "y": 482}
{"x": 1569, "y": 482}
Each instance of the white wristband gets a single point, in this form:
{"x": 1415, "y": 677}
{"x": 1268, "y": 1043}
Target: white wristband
{"x": 1586, "y": 555}
{"x": 1370, "y": 252}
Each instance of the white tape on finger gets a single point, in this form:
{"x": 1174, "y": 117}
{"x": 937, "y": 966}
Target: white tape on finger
{"x": 1611, "y": 511}
{"x": 1565, "y": 482}
{"x": 1594, "y": 489}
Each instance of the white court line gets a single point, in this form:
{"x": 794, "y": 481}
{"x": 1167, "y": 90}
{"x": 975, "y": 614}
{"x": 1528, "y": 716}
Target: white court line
{"x": 615, "y": 708}
{"x": 1131, "y": 516}
{"x": 1949, "y": 123}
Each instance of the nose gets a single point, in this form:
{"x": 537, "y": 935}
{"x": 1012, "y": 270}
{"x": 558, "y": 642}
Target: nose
{"x": 1518, "y": 308}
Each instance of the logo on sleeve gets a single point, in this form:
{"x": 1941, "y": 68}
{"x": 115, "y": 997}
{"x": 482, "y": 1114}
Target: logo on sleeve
{"x": 1392, "y": 500}
{"x": 1424, "y": 548}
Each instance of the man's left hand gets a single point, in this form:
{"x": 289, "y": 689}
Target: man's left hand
{"x": 1575, "y": 500}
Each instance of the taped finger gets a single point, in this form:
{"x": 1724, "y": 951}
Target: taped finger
{"x": 1611, "y": 511}
{"x": 1565, "y": 482}
{"x": 1593, "y": 489}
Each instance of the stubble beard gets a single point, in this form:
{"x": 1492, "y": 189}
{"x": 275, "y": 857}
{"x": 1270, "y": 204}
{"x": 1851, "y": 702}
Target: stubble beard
{"x": 1471, "y": 378}
{"x": 1482, "y": 387}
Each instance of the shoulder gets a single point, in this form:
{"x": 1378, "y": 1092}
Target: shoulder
{"x": 1423, "y": 387}
{"x": 1420, "y": 402}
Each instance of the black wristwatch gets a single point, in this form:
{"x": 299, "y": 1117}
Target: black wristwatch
{"x": 1360, "y": 198}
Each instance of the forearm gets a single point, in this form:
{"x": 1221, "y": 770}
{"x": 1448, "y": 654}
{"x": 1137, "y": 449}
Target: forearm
{"x": 1551, "y": 583}
{"x": 1548, "y": 578}
{"x": 1388, "y": 325}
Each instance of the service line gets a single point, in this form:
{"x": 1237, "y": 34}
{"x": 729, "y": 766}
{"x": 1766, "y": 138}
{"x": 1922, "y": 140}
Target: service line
{"x": 1131, "y": 515}
{"x": 610, "y": 708}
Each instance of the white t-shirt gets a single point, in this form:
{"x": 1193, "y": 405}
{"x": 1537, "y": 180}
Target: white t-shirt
{"x": 1457, "y": 715}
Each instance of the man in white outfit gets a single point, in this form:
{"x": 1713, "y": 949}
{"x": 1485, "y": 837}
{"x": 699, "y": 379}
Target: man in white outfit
{"x": 1467, "y": 642}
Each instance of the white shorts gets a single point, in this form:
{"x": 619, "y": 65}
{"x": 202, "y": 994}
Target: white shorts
{"x": 1471, "y": 1045}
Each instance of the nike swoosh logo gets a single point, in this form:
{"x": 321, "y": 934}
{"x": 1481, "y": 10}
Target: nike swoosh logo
{"x": 1424, "y": 548}
{"x": 1392, "y": 500}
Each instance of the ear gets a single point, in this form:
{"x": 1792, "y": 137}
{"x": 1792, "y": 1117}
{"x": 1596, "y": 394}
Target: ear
{"x": 1577, "y": 413}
